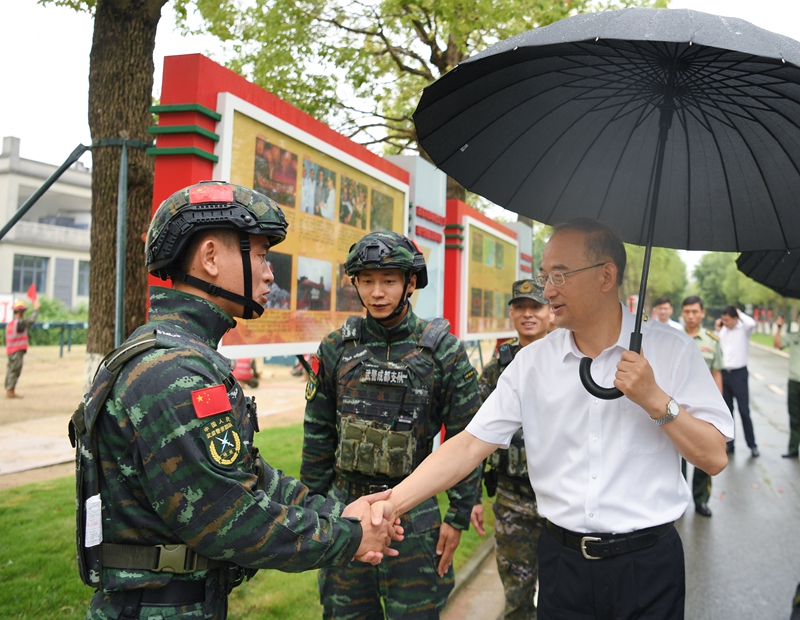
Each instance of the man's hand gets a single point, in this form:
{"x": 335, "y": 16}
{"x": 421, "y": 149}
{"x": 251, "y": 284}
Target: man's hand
{"x": 636, "y": 380}
{"x": 377, "y": 533}
{"x": 449, "y": 537}
{"x": 780, "y": 321}
{"x": 476, "y": 518}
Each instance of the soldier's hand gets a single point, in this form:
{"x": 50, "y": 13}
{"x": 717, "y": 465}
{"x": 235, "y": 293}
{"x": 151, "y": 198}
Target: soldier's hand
{"x": 449, "y": 537}
{"x": 476, "y": 518}
{"x": 375, "y": 537}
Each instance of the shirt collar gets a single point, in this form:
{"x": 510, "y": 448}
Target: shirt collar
{"x": 193, "y": 315}
{"x": 623, "y": 340}
{"x": 402, "y": 330}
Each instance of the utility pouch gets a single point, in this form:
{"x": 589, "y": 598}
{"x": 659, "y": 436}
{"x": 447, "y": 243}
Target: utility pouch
{"x": 372, "y": 448}
{"x": 490, "y": 482}
{"x": 260, "y": 469}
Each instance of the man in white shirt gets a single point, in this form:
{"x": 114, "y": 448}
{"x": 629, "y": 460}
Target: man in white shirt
{"x": 607, "y": 474}
{"x": 662, "y": 312}
{"x": 734, "y": 328}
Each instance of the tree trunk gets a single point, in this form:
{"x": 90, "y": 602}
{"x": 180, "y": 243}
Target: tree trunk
{"x": 120, "y": 94}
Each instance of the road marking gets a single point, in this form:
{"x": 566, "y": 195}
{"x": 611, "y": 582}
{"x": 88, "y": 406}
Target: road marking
{"x": 776, "y": 389}
{"x": 757, "y": 376}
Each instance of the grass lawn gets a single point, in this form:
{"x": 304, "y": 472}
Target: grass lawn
{"x": 39, "y": 576}
{"x": 765, "y": 339}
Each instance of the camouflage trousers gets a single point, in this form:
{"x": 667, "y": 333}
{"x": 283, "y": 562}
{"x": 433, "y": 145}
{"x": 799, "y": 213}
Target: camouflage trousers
{"x": 14, "y": 369}
{"x": 109, "y": 606}
{"x": 408, "y": 585}
{"x": 517, "y": 552}
{"x": 701, "y": 484}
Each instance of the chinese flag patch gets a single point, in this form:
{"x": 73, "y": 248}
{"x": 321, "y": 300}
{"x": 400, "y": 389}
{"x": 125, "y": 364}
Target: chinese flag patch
{"x": 314, "y": 363}
{"x": 210, "y": 193}
{"x": 210, "y": 401}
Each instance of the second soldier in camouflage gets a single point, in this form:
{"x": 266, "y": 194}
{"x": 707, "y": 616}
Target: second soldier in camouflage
{"x": 379, "y": 392}
{"x": 517, "y": 522}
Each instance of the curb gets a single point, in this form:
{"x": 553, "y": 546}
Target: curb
{"x": 764, "y": 347}
{"x": 470, "y": 568}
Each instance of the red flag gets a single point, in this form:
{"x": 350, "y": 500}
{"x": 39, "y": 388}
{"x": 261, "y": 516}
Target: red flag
{"x": 32, "y": 292}
{"x": 210, "y": 401}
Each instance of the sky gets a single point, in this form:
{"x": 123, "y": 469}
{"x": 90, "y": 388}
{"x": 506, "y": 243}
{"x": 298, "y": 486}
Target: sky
{"x": 44, "y": 70}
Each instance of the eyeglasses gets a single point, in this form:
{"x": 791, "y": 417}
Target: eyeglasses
{"x": 557, "y": 278}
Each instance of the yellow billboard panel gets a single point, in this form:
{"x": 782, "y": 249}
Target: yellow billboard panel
{"x": 491, "y": 271}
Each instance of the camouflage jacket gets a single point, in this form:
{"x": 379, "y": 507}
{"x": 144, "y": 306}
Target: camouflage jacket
{"x": 168, "y": 475}
{"x": 492, "y": 371}
{"x": 455, "y": 401}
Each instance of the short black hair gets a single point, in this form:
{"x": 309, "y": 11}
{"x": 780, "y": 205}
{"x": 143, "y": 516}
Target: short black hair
{"x": 601, "y": 242}
{"x": 692, "y": 300}
{"x": 226, "y": 236}
{"x": 662, "y": 300}
{"x": 730, "y": 311}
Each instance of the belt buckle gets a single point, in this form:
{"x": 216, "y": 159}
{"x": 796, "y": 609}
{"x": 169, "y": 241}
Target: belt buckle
{"x": 378, "y": 488}
{"x": 586, "y": 539}
{"x": 172, "y": 559}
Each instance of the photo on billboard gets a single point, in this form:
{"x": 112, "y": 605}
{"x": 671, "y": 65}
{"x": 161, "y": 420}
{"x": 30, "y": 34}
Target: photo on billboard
{"x": 318, "y": 196}
{"x": 490, "y": 277}
{"x": 346, "y": 295}
{"x": 381, "y": 212}
{"x": 353, "y": 203}
{"x": 313, "y": 284}
{"x": 280, "y": 291}
{"x": 275, "y": 172}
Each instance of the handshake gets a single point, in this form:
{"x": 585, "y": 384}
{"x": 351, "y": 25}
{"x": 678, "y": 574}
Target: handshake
{"x": 378, "y": 531}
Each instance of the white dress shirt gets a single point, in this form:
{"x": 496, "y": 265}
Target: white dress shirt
{"x": 674, "y": 324}
{"x": 601, "y": 465}
{"x": 735, "y": 342}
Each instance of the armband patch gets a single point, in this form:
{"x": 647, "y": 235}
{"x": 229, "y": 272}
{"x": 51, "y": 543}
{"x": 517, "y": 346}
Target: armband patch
{"x": 313, "y": 377}
{"x": 210, "y": 401}
{"x": 222, "y": 441}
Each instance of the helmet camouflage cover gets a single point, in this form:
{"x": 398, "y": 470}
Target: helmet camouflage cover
{"x": 206, "y": 206}
{"x": 386, "y": 250}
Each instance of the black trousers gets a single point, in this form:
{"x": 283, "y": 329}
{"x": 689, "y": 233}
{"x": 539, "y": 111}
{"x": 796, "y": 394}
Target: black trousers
{"x": 648, "y": 584}
{"x": 734, "y": 385}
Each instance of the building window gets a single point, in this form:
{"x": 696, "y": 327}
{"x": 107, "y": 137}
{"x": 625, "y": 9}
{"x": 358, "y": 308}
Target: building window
{"x": 29, "y": 270}
{"x": 83, "y": 278}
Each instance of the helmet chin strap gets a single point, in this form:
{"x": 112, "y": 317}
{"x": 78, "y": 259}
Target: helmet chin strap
{"x": 248, "y": 303}
{"x": 400, "y": 306}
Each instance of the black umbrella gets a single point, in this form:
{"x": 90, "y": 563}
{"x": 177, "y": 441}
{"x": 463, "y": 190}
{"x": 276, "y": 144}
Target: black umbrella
{"x": 777, "y": 269}
{"x": 587, "y": 116}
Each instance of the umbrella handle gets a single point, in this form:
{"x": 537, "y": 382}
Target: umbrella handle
{"x": 592, "y": 387}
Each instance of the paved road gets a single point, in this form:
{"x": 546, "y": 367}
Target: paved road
{"x": 744, "y": 562}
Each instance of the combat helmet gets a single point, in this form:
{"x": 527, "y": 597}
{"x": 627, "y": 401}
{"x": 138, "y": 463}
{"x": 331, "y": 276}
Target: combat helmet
{"x": 212, "y": 205}
{"x": 387, "y": 250}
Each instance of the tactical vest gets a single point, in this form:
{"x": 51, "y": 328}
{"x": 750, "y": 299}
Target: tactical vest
{"x": 384, "y": 408}
{"x": 93, "y": 555}
{"x": 15, "y": 341}
{"x": 512, "y": 462}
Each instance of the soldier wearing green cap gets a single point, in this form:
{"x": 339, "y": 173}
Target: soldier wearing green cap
{"x": 175, "y": 506}
{"x": 517, "y": 522}
{"x": 379, "y": 392}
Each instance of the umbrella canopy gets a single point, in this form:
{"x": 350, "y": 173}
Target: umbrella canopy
{"x": 564, "y": 121}
{"x": 778, "y": 270}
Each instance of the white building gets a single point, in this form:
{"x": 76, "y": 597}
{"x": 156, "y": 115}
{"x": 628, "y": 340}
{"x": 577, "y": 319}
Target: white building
{"x": 49, "y": 246}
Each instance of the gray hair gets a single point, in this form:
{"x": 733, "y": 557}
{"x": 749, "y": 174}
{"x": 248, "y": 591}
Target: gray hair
{"x": 602, "y": 243}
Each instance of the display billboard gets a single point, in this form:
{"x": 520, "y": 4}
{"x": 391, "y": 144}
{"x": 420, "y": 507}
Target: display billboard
{"x": 330, "y": 199}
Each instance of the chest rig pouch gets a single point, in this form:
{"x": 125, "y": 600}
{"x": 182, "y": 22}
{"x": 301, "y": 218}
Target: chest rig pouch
{"x": 512, "y": 462}
{"x": 384, "y": 408}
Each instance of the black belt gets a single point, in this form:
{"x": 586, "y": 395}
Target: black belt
{"x": 356, "y": 490}
{"x": 176, "y": 594}
{"x": 599, "y": 546}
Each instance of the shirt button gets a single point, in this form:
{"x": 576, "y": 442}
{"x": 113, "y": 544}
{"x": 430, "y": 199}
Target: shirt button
{"x": 595, "y": 401}
{"x": 594, "y": 439}
{"x": 594, "y": 476}
{"x": 591, "y": 514}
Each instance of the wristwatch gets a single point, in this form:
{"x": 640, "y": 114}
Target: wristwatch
{"x": 673, "y": 409}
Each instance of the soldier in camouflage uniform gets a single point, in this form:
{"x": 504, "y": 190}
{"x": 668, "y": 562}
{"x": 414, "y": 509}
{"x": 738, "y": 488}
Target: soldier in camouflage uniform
{"x": 379, "y": 391}
{"x": 693, "y": 314}
{"x": 17, "y": 344}
{"x": 517, "y": 522}
{"x": 173, "y": 499}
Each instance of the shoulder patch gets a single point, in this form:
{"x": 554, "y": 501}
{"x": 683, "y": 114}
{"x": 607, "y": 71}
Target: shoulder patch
{"x": 713, "y": 335}
{"x": 222, "y": 440}
{"x": 210, "y": 401}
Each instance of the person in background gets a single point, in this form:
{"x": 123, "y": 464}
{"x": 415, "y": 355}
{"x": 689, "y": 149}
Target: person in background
{"x": 245, "y": 371}
{"x": 517, "y": 522}
{"x": 662, "y": 312}
{"x": 734, "y": 328}
{"x": 379, "y": 390}
{"x": 693, "y": 313}
{"x": 17, "y": 344}
{"x": 791, "y": 340}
